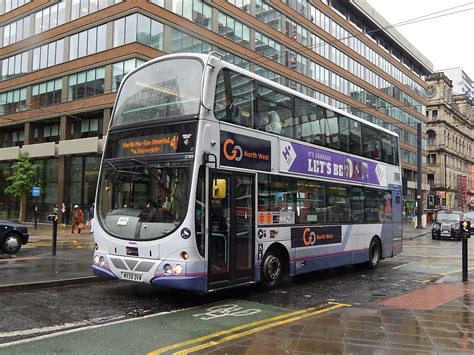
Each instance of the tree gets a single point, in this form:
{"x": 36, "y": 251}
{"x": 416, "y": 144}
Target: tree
{"x": 22, "y": 181}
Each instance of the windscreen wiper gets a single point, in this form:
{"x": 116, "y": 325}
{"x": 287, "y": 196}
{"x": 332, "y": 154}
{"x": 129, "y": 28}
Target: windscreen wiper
{"x": 123, "y": 171}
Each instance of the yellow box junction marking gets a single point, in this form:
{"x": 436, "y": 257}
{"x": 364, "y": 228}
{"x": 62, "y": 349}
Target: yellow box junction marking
{"x": 290, "y": 317}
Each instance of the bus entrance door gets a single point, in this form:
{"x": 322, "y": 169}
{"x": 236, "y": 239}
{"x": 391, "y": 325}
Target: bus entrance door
{"x": 231, "y": 229}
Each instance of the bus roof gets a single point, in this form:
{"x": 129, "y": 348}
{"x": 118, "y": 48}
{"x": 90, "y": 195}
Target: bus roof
{"x": 205, "y": 58}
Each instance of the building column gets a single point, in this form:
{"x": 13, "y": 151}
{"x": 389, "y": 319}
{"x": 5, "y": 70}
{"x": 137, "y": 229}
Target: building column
{"x": 27, "y": 133}
{"x": 62, "y": 162}
{"x": 106, "y": 121}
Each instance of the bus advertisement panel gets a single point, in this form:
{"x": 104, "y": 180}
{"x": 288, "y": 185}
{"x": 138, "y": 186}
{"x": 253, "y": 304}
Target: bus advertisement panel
{"x": 312, "y": 161}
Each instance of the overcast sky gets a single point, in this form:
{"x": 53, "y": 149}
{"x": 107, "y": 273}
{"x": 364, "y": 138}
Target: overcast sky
{"x": 446, "y": 41}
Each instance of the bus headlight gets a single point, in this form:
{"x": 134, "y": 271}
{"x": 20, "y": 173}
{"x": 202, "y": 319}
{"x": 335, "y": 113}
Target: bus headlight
{"x": 167, "y": 269}
{"x": 96, "y": 259}
{"x": 101, "y": 261}
{"x": 184, "y": 255}
{"x": 178, "y": 269}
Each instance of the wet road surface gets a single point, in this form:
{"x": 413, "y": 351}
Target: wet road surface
{"x": 42, "y": 312}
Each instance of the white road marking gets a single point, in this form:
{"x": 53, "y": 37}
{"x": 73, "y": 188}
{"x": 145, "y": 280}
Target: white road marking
{"x": 70, "y": 331}
{"x": 58, "y": 327}
{"x": 399, "y": 266}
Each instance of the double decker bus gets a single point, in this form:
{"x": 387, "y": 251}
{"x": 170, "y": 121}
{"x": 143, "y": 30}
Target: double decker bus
{"x": 214, "y": 177}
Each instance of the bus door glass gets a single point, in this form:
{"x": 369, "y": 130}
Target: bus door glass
{"x": 231, "y": 228}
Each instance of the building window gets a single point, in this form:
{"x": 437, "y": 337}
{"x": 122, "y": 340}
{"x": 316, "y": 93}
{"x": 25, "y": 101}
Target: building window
{"x": 13, "y": 101}
{"x": 434, "y": 115}
{"x": 9, "y": 5}
{"x": 120, "y": 69}
{"x": 137, "y": 27}
{"x": 431, "y": 137}
{"x": 87, "y": 42}
{"x": 89, "y": 127}
{"x": 14, "y": 65}
{"x": 86, "y": 84}
{"x": 45, "y": 94}
{"x": 12, "y": 138}
{"x": 46, "y": 133}
{"x": 48, "y": 55}
{"x": 81, "y": 8}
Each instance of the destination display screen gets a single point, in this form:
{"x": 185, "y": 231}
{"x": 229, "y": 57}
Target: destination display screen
{"x": 151, "y": 144}
{"x": 151, "y": 141}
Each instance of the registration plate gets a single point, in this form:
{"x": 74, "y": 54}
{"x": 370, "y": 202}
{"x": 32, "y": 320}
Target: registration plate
{"x": 131, "y": 276}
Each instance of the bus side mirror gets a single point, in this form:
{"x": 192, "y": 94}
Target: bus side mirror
{"x": 219, "y": 187}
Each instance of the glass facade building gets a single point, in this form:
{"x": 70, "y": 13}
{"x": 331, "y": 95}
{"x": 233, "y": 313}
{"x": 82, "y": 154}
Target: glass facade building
{"x": 61, "y": 64}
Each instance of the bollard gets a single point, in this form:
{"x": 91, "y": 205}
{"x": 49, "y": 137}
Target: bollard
{"x": 465, "y": 235}
{"x": 36, "y": 217}
{"x": 54, "y": 218}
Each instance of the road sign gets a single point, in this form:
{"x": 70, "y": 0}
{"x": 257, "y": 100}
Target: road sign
{"x": 36, "y": 191}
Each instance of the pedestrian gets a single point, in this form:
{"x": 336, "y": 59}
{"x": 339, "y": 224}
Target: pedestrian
{"x": 63, "y": 215}
{"x": 77, "y": 219}
{"x": 91, "y": 218}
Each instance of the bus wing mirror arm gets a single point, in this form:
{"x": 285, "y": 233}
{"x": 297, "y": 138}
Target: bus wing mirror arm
{"x": 206, "y": 159}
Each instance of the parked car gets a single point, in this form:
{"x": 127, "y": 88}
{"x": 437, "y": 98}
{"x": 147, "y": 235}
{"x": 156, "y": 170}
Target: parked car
{"x": 446, "y": 225}
{"x": 12, "y": 236}
{"x": 470, "y": 216}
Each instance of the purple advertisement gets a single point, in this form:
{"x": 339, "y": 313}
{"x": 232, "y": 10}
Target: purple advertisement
{"x": 302, "y": 159}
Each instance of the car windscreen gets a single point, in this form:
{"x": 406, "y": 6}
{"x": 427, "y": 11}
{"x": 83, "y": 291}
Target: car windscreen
{"x": 448, "y": 217}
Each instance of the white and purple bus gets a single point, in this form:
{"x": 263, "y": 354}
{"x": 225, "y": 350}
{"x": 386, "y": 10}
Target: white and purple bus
{"x": 214, "y": 177}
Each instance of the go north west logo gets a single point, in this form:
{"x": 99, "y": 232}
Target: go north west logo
{"x": 245, "y": 152}
{"x": 236, "y": 152}
{"x": 308, "y": 236}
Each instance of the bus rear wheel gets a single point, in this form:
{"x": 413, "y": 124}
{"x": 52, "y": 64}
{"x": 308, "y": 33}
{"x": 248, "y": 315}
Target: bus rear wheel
{"x": 375, "y": 253}
{"x": 272, "y": 269}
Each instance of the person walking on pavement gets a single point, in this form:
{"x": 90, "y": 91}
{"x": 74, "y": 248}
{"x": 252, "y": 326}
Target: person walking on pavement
{"x": 77, "y": 219}
{"x": 91, "y": 218}
{"x": 63, "y": 215}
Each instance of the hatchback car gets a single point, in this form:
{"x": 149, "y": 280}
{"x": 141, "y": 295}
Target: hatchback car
{"x": 446, "y": 225}
{"x": 12, "y": 236}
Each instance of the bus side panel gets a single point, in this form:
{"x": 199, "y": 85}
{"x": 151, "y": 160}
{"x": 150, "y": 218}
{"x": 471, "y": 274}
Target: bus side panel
{"x": 386, "y": 238}
{"x": 352, "y": 249}
{"x": 397, "y": 222}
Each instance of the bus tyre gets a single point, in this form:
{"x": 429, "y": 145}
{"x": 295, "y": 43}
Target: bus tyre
{"x": 272, "y": 270}
{"x": 11, "y": 243}
{"x": 375, "y": 253}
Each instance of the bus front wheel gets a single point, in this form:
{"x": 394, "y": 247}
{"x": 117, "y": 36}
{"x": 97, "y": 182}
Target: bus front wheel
{"x": 375, "y": 253}
{"x": 272, "y": 269}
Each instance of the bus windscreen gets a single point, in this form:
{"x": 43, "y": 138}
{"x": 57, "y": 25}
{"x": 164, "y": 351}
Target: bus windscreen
{"x": 170, "y": 88}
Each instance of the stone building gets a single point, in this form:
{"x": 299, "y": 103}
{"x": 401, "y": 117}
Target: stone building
{"x": 450, "y": 143}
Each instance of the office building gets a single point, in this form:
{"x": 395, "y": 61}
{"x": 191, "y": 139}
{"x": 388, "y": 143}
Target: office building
{"x": 61, "y": 63}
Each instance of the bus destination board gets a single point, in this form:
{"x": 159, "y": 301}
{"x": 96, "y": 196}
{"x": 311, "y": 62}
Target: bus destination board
{"x": 148, "y": 145}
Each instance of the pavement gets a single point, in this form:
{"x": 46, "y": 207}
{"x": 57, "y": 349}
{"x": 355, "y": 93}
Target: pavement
{"x": 35, "y": 267}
